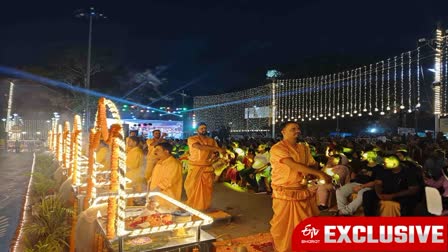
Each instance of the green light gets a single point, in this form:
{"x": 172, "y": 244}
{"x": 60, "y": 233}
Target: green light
{"x": 125, "y": 106}
{"x": 184, "y": 109}
{"x": 123, "y": 109}
{"x": 391, "y": 162}
{"x": 369, "y": 156}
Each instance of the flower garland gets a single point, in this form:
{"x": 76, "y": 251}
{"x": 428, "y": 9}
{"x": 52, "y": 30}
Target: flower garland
{"x": 77, "y": 143}
{"x": 99, "y": 242}
{"x": 90, "y": 169}
{"x": 58, "y": 143}
{"x": 101, "y": 118}
{"x": 49, "y": 141}
{"x": 72, "y": 143}
{"x": 112, "y": 201}
{"x": 65, "y": 140}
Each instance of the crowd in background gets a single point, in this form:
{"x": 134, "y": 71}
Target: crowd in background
{"x": 395, "y": 168}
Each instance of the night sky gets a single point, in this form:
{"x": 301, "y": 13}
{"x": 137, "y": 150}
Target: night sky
{"x": 220, "y": 46}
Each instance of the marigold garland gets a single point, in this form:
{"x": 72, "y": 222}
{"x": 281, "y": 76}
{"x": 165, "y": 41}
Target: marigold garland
{"x": 72, "y": 143}
{"x": 76, "y": 143}
{"x": 99, "y": 242}
{"x": 75, "y": 154}
{"x": 58, "y": 144}
{"x": 90, "y": 168}
{"x": 102, "y": 118}
{"x": 65, "y": 139}
{"x": 49, "y": 141}
{"x": 112, "y": 201}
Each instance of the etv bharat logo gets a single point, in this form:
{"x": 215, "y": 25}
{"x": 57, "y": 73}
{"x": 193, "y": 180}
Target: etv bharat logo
{"x": 311, "y": 232}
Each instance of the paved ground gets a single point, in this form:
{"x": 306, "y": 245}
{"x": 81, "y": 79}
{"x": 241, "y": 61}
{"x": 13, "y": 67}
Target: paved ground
{"x": 14, "y": 173}
{"x": 251, "y": 213}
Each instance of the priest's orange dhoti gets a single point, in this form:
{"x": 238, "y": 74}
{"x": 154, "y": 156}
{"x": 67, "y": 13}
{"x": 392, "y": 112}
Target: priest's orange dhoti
{"x": 200, "y": 178}
{"x": 199, "y": 186}
{"x": 292, "y": 200}
{"x": 290, "y": 206}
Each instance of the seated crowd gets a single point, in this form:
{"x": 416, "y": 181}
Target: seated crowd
{"x": 370, "y": 177}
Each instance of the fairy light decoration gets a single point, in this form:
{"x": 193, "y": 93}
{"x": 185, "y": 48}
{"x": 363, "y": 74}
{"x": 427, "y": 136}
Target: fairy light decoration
{"x": 344, "y": 97}
{"x": 296, "y": 98}
{"x": 410, "y": 82}
{"x": 333, "y": 96}
{"x": 350, "y": 85}
{"x": 365, "y": 90}
{"x": 315, "y": 98}
{"x": 388, "y": 84}
{"x": 445, "y": 79}
{"x": 355, "y": 98}
{"x": 327, "y": 97}
{"x": 382, "y": 88}
{"x": 370, "y": 89}
{"x": 376, "y": 87}
{"x": 395, "y": 84}
{"x": 320, "y": 88}
{"x": 402, "y": 82}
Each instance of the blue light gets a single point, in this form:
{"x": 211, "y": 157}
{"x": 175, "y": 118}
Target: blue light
{"x": 373, "y": 130}
{"x": 46, "y": 81}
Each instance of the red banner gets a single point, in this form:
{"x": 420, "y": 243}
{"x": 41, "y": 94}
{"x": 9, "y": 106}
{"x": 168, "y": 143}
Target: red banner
{"x": 372, "y": 234}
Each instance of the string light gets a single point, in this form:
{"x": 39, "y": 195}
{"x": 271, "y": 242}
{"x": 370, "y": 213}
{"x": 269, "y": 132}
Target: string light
{"x": 388, "y": 84}
{"x": 316, "y": 98}
{"x": 233, "y": 107}
{"x": 376, "y": 87}
{"x": 321, "y": 104}
{"x": 402, "y": 82}
{"x": 344, "y": 97}
{"x": 327, "y": 96}
{"x": 382, "y": 88}
{"x": 351, "y": 92}
{"x": 445, "y": 79}
{"x": 346, "y": 93}
{"x": 296, "y": 98}
{"x": 333, "y": 94}
{"x": 25, "y": 217}
{"x": 288, "y": 99}
{"x": 356, "y": 91}
{"x": 410, "y": 83}
{"x": 302, "y": 105}
{"x": 338, "y": 82}
{"x": 418, "y": 78}
{"x": 365, "y": 89}
{"x": 395, "y": 84}
{"x": 359, "y": 87}
{"x": 370, "y": 89}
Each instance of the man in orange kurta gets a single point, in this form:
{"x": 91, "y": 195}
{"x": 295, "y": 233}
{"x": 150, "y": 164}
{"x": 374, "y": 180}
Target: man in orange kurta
{"x": 199, "y": 182}
{"x": 167, "y": 174}
{"x": 151, "y": 160}
{"x": 292, "y": 200}
{"x": 134, "y": 163}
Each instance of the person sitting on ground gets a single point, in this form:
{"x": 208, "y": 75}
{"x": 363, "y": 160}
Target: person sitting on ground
{"x": 340, "y": 174}
{"x": 363, "y": 180}
{"x": 441, "y": 184}
{"x": 219, "y": 164}
{"x": 397, "y": 182}
{"x": 248, "y": 173}
{"x": 262, "y": 167}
